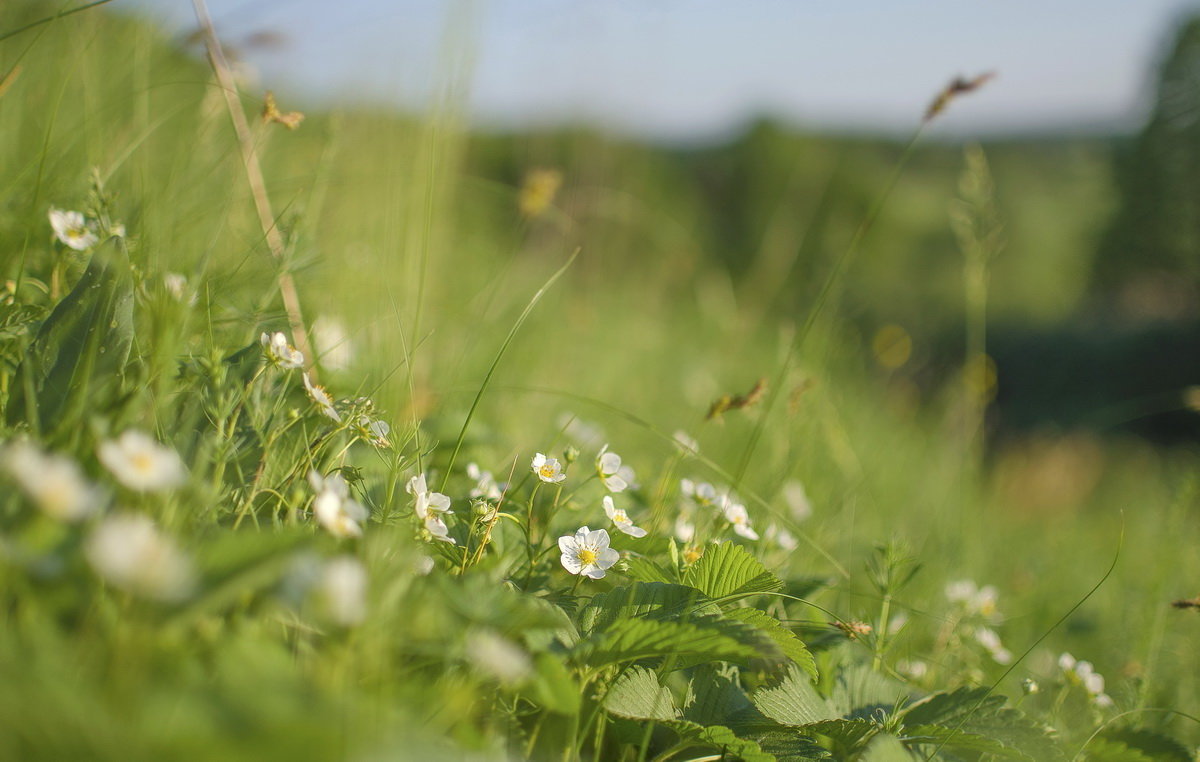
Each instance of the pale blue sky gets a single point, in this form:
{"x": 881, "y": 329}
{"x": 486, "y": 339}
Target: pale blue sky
{"x": 696, "y": 68}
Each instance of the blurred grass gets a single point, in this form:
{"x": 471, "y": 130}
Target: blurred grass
{"x": 402, "y": 222}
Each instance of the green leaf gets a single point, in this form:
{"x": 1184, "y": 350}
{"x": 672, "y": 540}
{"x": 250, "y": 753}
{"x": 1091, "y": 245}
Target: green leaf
{"x": 791, "y": 746}
{"x": 656, "y": 600}
{"x": 632, "y": 639}
{"x": 714, "y": 695}
{"x": 637, "y": 694}
{"x": 728, "y": 569}
{"x": 719, "y": 738}
{"x": 793, "y": 701}
{"x": 886, "y": 748}
{"x": 792, "y": 646}
{"x": 847, "y": 735}
{"x": 1135, "y": 745}
{"x": 969, "y": 718}
{"x": 80, "y": 351}
{"x": 859, "y": 692}
{"x": 553, "y": 687}
{"x": 644, "y": 569}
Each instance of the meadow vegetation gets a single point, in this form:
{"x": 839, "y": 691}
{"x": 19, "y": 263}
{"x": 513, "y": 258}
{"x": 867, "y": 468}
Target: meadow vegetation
{"x": 588, "y": 450}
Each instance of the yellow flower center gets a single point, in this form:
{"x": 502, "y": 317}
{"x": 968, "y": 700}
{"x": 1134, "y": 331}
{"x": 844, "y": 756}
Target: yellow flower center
{"x": 620, "y": 517}
{"x": 142, "y": 462}
{"x": 587, "y": 556}
{"x": 547, "y": 471}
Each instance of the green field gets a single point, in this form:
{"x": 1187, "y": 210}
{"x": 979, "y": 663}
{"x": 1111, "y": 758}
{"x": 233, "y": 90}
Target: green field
{"x": 237, "y": 609}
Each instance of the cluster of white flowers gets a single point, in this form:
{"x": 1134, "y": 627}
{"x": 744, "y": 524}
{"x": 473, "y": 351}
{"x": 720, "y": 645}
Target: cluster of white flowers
{"x": 781, "y": 537}
{"x": 430, "y": 507}
{"x": 279, "y": 352}
{"x": 333, "y": 508}
{"x": 54, "y": 482}
{"x": 972, "y": 599}
{"x": 990, "y": 640}
{"x": 726, "y": 503}
{"x": 1084, "y": 674}
{"x": 587, "y": 553}
{"x": 686, "y": 444}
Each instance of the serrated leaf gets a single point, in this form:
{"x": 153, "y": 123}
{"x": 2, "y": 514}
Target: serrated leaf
{"x": 632, "y": 639}
{"x": 847, "y": 735}
{"x": 790, "y": 746}
{"x": 1135, "y": 745}
{"x": 714, "y": 695}
{"x": 792, "y": 646}
{"x": 644, "y": 569}
{"x": 728, "y": 569}
{"x": 638, "y": 695}
{"x": 721, "y": 739}
{"x": 969, "y": 718}
{"x": 657, "y": 600}
{"x": 860, "y": 692}
{"x": 793, "y": 701}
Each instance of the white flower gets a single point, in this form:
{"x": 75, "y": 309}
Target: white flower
{"x": 333, "y": 508}
{"x": 177, "y": 287}
{"x": 141, "y": 463}
{"x": 972, "y": 598}
{"x": 321, "y": 398}
{"x": 332, "y": 343}
{"x": 616, "y": 477}
{"x": 341, "y": 592}
{"x": 499, "y": 657}
{"x": 485, "y": 484}
{"x": 990, "y": 640}
{"x": 915, "y": 669}
{"x": 423, "y": 565}
{"x": 426, "y": 503}
{"x": 130, "y": 553}
{"x": 586, "y": 552}
{"x": 685, "y": 530}
{"x": 436, "y": 526}
{"x": 686, "y": 443}
{"x": 73, "y": 229}
{"x": 54, "y": 482}
{"x": 430, "y": 507}
{"x": 621, "y": 519}
{"x": 548, "y": 470}
{"x": 797, "y": 500}
{"x": 702, "y": 493}
{"x": 279, "y": 352}
{"x": 375, "y": 431}
{"x": 735, "y": 514}
{"x": 782, "y": 537}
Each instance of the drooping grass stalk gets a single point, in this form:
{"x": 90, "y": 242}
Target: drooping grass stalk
{"x": 48, "y": 19}
{"x": 512, "y": 332}
{"x": 254, "y": 176}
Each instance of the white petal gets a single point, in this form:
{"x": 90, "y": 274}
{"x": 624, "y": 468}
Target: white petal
{"x": 609, "y": 508}
{"x": 631, "y": 530}
{"x": 610, "y": 463}
{"x": 571, "y": 563}
{"x": 607, "y": 558}
{"x": 597, "y": 539}
{"x": 567, "y": 544}
{"x": 614, "y": 483}
{"x": 594, "y": 572}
